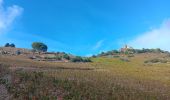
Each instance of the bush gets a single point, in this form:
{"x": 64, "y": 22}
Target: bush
{"x": 80, "y": 59}
{"x": 87, "y": 60}
{"x": 158, "y": 50}
{"x": 156, "y": 61}
{"x": 77, "y": 59}
{"x": 113, "y": 52}
{"x": 66, "y": 56}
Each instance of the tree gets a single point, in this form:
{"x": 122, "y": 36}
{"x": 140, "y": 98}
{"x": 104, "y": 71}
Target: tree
{"x": 40, "y": 47}
{"x": 12, "y": 45}
{"x": 7, "y": 45}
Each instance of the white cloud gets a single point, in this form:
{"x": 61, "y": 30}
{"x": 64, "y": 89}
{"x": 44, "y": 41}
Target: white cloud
{"x": 8, "y": 15}
{"x": 98, "y": 45}
{"x": 155, "y": 38}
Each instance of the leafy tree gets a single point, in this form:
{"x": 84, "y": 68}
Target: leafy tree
{"x": 12, "y": 45}
{"x": 7, "y": 45}
{"x": 38, "y": 46}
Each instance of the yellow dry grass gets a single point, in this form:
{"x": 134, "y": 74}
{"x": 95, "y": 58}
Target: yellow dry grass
{"x": 108, "y": 78}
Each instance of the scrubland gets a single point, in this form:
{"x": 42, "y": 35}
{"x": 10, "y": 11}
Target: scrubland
{"x": 102, "y": 79}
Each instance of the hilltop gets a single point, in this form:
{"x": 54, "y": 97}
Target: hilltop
{"x": 125, "y": 53}
{"x": 41, "y": 56}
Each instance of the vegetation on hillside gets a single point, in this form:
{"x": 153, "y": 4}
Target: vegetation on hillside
{"x": 9, "y": 45}
{"x": 80, "y": 59}
{"x": 156, "y": 60}
{"x": 131, "y": 51}
{"x": 40, "y": 47}
{"x": 104, "y": 79}
{"x": 136, "y": 74}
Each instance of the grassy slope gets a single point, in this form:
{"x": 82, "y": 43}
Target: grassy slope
{"x": 105, "y": 79}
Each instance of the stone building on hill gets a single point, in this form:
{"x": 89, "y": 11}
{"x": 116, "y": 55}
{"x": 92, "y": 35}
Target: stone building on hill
{"x": 126, "y": 48}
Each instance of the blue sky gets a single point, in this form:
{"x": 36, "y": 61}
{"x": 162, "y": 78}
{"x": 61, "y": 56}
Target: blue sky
{"x": 85, "y": 27}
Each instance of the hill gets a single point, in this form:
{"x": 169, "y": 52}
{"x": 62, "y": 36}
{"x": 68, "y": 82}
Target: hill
{"x": 105, "y": 78}
{"x": 131, "y": 51}
{"x": 41, "y": 56}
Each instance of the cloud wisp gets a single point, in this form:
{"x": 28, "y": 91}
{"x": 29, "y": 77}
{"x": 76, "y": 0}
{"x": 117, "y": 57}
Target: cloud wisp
{"x": 8, "y": 15}
{"x": 98, "y": 45}
{"x": 155, "y": 38}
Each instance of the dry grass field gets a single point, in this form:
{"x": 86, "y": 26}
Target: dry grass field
{"x": 103, "y": 79}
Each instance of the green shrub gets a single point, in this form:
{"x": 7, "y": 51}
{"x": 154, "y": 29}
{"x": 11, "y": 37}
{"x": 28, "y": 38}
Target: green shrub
{"x": 80, "y": 59}
{"x": 87, "y": 60}
{"x": 77, "y": 59}
{"x": 66, "y": 56}
{"x": 156, "y": 60}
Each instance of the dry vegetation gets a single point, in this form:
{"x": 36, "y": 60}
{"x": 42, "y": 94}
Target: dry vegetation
{"x": 103, "y": 79}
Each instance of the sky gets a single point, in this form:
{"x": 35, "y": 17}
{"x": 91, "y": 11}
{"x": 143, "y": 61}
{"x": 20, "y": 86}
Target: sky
{"x": 85, "y": 27}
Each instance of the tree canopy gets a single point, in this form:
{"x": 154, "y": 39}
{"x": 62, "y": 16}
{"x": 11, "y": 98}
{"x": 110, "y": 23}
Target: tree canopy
{"x": 38, "y": 46}
{"x": 9, "y": 45}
